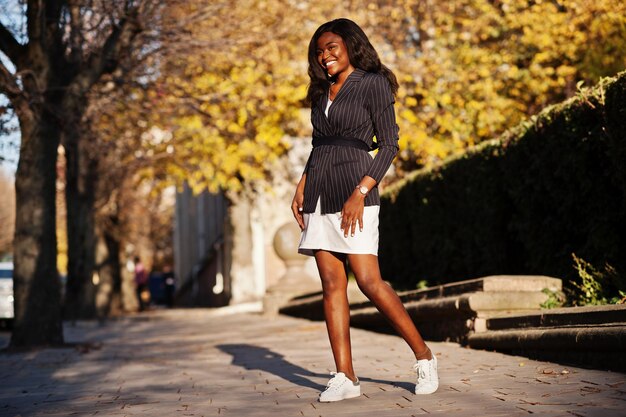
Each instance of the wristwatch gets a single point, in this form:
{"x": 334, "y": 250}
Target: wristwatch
{"x": 363, "y": 189}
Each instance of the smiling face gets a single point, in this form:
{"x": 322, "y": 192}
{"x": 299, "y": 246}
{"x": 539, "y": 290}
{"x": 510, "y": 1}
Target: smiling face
{"x": 332, "y": 55}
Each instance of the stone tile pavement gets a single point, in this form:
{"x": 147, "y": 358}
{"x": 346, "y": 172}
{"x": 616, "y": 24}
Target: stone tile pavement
{"x": 204, "y": 362}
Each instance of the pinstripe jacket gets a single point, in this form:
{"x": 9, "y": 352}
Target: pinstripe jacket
{"x": 362, "y": 109}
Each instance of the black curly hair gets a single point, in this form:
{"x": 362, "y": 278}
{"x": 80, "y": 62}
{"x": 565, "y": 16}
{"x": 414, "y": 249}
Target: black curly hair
{"x": 360, "y": 52}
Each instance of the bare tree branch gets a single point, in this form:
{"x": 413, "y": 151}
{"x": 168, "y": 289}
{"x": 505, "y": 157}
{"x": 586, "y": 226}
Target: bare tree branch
{"x": 43, "y": 18}
{"x": 10, "y": 87}
{"x": 34, "y": 17}
{"x": 76, "y": 35}
{"x": 105, "y": 59}
{"x": 11, "y": 47}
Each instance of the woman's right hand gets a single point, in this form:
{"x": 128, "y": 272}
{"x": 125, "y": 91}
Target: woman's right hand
{"x": 296, "y": 208}
{"x": 297, "y": 203}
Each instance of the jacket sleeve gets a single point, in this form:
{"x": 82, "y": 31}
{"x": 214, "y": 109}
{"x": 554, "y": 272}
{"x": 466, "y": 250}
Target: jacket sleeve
{"x": 381, "y": 100}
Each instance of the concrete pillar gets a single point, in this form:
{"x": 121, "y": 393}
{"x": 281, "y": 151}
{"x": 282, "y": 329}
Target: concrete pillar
{"x": 295, "y": 281}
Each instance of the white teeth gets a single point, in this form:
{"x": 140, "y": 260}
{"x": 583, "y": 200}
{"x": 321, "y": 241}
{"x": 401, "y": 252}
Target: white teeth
{"x": 328, "y": 64}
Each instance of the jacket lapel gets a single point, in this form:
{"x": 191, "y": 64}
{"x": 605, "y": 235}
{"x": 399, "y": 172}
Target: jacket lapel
{"x": 349, "y": 85}
{"x": 324, "y": 122}
{"x": 320, "y": 117}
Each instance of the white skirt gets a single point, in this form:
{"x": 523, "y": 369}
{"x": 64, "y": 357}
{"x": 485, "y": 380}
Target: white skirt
{"x": 323, "y": 232}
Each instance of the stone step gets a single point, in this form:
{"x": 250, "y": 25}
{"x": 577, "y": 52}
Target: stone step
{"x": 489, "y": 284}
{"x": 562, "y": 317}
{"x": 600, "y": 346}
{"x": 445, "y": 312}
{"x": 609, "y": 337}
{"x": 498, "y": 313}
{"x": 592, "y": 336}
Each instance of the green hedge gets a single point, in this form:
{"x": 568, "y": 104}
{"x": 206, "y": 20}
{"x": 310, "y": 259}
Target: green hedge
{"x": 521, "y": 204}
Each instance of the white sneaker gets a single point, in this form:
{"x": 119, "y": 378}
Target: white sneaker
{"x": 340, "y": 388}
{"x": 427, "y": 377}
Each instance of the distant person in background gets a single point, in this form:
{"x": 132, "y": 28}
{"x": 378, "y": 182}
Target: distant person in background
{"x": 141, "y": 282}
{"x": 168, "y": 280}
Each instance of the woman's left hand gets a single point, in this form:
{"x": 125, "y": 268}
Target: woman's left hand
{"x": 352, "y": 213}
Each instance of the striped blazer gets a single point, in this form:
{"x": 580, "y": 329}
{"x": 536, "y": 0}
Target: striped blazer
{"x": 362, "y": 109}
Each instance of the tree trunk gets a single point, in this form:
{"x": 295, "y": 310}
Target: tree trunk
{"x": 81, "y": 174}
{"x": 36, "y": 282}
{"x": 109, "y": 266}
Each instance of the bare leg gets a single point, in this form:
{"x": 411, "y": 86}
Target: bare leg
{"x": 367, "y": 273}
{"x": 336, "y": 309}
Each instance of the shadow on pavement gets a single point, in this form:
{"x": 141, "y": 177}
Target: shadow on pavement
{"x": 253, "y": 357}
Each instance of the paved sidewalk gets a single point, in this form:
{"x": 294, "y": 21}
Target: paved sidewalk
{"x": 205, "y": 363}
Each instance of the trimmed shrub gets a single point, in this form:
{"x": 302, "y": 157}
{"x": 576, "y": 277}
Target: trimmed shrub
{"x": 522, "y": 204}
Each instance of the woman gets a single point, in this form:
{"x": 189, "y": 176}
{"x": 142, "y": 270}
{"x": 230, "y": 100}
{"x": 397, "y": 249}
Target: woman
{"x": 336, "y": 201}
